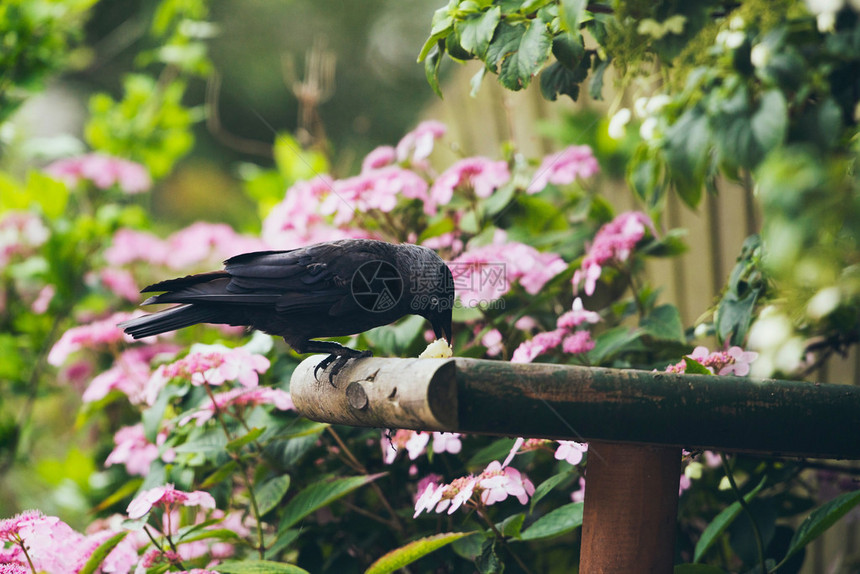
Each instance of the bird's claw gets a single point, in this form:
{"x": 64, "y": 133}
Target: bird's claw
{"x": 338, "y": 362}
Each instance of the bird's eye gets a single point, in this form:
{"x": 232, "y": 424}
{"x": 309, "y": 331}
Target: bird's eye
{"x": 434, "y": 300}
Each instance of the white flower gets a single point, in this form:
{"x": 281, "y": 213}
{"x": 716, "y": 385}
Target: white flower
{"x": 618, "y": 122}
{"x": 731, "y": 39}
{"x": 760, "y": 55}
{"x": 823, "y": 302}
{"x": 648, "y": 128}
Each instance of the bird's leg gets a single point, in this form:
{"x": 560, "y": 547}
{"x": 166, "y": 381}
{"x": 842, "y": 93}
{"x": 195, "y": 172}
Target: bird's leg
{"x": 338, "y": 354}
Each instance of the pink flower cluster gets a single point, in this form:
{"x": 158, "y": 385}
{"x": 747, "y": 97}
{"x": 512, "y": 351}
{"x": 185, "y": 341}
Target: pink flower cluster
{"x": 130, "y": 374}
{"x": 103, "y": 171}
{"x": 53, "y": 546}
{"x": 572, "y": 341}
{"x": 198, "y": 243}
{"x": 732, "y": 361}
{"x": 415, "y": 443}
{"x": 480, "y": 175}
{"x": 296, "y": 221}
{"x": 485, "y": 273}
{"x": 280, "y": 399}
{"x": 613, "y": 243}
{"x": 564, "y": 167}
{"x": 377, "y": 189}
{"x": 418, "y": 144}
{"x": 168, "y": 498}
{"x": 96, "y": 334}
{"x": 494, "y": 484}
{"x": 217, "y": 367}
{"x": 21, "y": 233}
{"x": 135, "y": 451}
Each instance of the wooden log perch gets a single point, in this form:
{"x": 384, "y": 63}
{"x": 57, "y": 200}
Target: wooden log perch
{"x": 769, "y": 417}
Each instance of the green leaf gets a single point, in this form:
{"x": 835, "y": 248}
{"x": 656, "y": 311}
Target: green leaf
{"x": 505, "y": 41}
{"x": 213, "y": 533}
{"x": 477, "y": 30}
{"x": 562, "y": 519}
{"x": 258, "y": 567}
{"x": 770, "y": 121}
{"x": 271, "y": 493}
{"x": 431, "y": 68}
{"x": 442, "y": 25}
{"x": 546, "y": 486}
{"x": 512, "y": 526}
{"x": 614, "y": 341}
{"x": 557, "y": 79}
{"x": 694, "y": 367}
{"x": 119, "y": 494}
{"x": 722, "y": 521}
{"x": 664, "y": 324}
{"x": 821, "y": 519}
{"x": 411, "y": 552}
{"x": 595, "y": 88}
{"x": 50, "y": 194}
{"x": 526, "y": 60}
{"x": 688, "y": 143}
{"x": 222, "y": 473}
{"x": 321, "y": 494}
{"x": 236, "y": 444}
{"x": 572, "y": 14}
{"x": 475, "y": 82}
{"x": 100, "y": 553}
{"x": 496, "y": 450}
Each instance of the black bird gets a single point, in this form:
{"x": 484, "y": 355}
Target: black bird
{"x": 329, "y": 289}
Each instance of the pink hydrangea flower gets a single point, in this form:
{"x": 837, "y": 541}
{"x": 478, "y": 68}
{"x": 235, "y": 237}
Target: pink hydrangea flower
{"x": 373, "y": 190}
{"x": 121, "y": 282}
{"x": 217, "y": 367}
{"x": 577, "y": 316}
{"x": 380, "y": 157}
{"x": 129, "y": 246}
{"x": 479, "y": 174}
{"x": 280, "y": 399}
{"x": 450, "y": 241}
{"x": 498, "y": 482}
{"x": 52, "y": 545}
{"x": 168, "y": 498}
{"x": 538, "y": 345}
{"x": 130, "y": 374}
{"x": 613, "y": 243}
{"x": 492, "y": 340}
{"x": 21, "y": 233}
{"x": 485, "y": 273}
{"x": 447, "y": 442}
{"x": 298, "y": 211}
{"x": 418, "y": 144}
{"x": 207, "y": 242}
{"x": 565, "y": 167}
{"x": 733, "y": 361}
{"x": 578, "y": 343}
{"x": 135, "y": 451}
{"x": 570, "y": 451}
{"x": 96, "y": 334}
{"x": 103, "y": 170}
{"x": 579, "y": 494}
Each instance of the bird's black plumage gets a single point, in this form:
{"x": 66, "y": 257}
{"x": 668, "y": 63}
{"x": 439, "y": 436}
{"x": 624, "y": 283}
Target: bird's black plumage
{"x": 324, "y": 290}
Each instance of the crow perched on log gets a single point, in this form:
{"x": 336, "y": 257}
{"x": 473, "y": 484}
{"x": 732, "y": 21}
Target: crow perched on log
{"x": 325, "y": 290}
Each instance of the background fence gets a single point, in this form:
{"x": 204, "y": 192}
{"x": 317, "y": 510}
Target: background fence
{"x": 693, "y": 281}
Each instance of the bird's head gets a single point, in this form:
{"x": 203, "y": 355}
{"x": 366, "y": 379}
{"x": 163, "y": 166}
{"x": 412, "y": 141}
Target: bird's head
{"x": 438, "y": 303}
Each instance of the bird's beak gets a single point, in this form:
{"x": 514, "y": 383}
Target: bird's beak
{"x": 442, "y": 327}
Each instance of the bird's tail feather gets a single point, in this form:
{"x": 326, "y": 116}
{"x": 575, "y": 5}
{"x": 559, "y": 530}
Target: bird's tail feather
{"x": 169, "y": 320}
